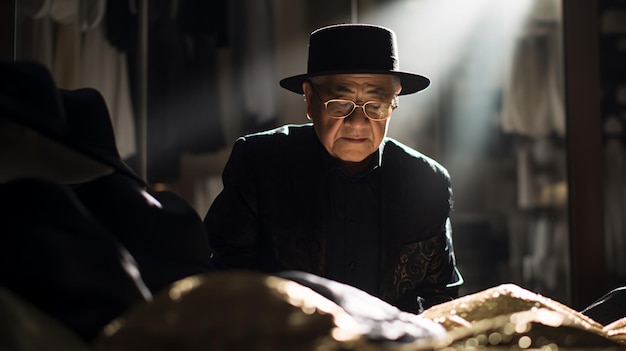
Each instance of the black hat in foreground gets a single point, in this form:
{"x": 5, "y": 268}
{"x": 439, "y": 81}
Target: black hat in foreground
{"x": 90, "y": 126}
{"x": 34, "y": 135}
{"x": 354, "y": 48}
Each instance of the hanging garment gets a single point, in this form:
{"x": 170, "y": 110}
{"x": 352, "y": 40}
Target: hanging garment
{"x": 36, "y": 32}
{"x": 533, "y": 97}
{"x": 104, "y": 68}
{"x": 183, "y": 110}
{"x": 66, "y": 63}
{"x": 615, "y": 203}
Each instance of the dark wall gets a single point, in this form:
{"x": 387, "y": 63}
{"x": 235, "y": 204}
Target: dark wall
{"x": 7, "y": 21}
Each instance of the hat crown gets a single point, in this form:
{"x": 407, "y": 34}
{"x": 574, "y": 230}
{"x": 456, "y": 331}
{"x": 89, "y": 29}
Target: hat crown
{"x": 28, "y": 95}
{"x": 91, "y": 127}
{"x": 29, "y": 98}
{"x": 89, "y": 120}
{"x": 352, "y": 48}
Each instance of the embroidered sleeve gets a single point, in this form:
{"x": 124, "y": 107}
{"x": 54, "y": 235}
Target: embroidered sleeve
{"x": 425, "y": 269}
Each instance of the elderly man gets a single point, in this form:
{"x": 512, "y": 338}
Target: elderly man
{"x": 338, "y": 198}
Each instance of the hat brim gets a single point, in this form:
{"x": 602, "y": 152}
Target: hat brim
{"x": 117, "y": 163}
{"x": 41, "y": 148}
{"x": 411, "y": 83}
{"x": 29, "y": 153}
{"x": 124, "y": 168}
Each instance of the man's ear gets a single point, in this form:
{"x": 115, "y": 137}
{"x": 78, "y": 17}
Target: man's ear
{"x": 308, "y": 97}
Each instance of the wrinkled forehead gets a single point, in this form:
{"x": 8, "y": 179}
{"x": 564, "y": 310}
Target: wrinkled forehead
{"x": 383, "y": 83}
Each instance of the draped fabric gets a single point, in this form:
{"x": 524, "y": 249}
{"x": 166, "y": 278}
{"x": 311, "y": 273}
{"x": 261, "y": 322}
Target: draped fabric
{"x": 105, "y": 69}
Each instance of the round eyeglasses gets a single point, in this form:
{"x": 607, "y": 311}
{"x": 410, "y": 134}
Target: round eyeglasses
{"x": 341, "y": 108}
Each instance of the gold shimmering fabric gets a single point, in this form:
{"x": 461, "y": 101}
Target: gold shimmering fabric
{"x": 508, "y": 315}
{"x": 252, "y": 311}
{"x": 233, "y": 311}
{"x": 617, "y": 331}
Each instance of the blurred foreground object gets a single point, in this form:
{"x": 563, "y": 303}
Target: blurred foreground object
{"x": 508, "y": 315}
{"x": 162, "y": 232}
{"x": 242, "y": 310}
{"x": 235, "y": 310}
{"x": 378, "y": 320}
{"x": 53, "y": 253}
{"x": 56, "y": 256}
{"x": 23, "y": 327}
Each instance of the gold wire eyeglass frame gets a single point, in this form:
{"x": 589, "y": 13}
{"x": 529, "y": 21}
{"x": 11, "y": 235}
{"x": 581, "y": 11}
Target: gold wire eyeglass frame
{"x": 354, "y": 106}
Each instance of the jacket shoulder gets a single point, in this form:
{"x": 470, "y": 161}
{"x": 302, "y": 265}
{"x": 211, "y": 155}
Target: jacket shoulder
{"x": 400, "y": 155}
{"x": 285, "y": 132}
{"x": 276, "y": 146}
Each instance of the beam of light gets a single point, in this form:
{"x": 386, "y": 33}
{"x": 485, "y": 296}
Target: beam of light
{"x": 463, "y": 46}
{"x": 466, "y": 48}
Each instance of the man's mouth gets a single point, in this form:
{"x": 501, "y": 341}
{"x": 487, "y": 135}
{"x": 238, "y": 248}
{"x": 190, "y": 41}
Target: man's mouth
{"x": 355, "y": 139}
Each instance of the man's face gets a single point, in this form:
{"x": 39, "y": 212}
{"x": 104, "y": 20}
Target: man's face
{"x": 353, "y": 138}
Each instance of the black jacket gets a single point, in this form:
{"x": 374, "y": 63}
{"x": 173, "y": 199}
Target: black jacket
{"x": 269, "y": 216}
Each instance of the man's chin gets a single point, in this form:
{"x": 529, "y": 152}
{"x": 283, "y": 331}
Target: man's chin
{"x": 354, "y": 157}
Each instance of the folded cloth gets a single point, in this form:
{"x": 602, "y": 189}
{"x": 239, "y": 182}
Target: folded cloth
{"x": 379, "y": 320}
{"x": 511, "y": 315}
{"x": 233, "y": 310}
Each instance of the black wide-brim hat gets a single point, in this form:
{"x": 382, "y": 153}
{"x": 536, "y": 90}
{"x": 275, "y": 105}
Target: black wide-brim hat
{"x": 91, "y": 127}
{"x": 353, "y": 49}
{"x": 36, "y": 140}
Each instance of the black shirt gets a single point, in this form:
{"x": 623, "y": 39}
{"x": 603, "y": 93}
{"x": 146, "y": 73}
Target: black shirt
{"x": 352, "y": 224}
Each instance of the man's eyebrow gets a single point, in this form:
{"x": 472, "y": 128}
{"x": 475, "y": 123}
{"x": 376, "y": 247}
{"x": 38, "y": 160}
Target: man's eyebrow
{"x": 341, "y": 88}
{"x": 374, "y": 89}
{"x": 377, "y": 89}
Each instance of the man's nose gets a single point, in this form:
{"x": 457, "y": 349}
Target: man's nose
{"x": 357, "y": 117}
